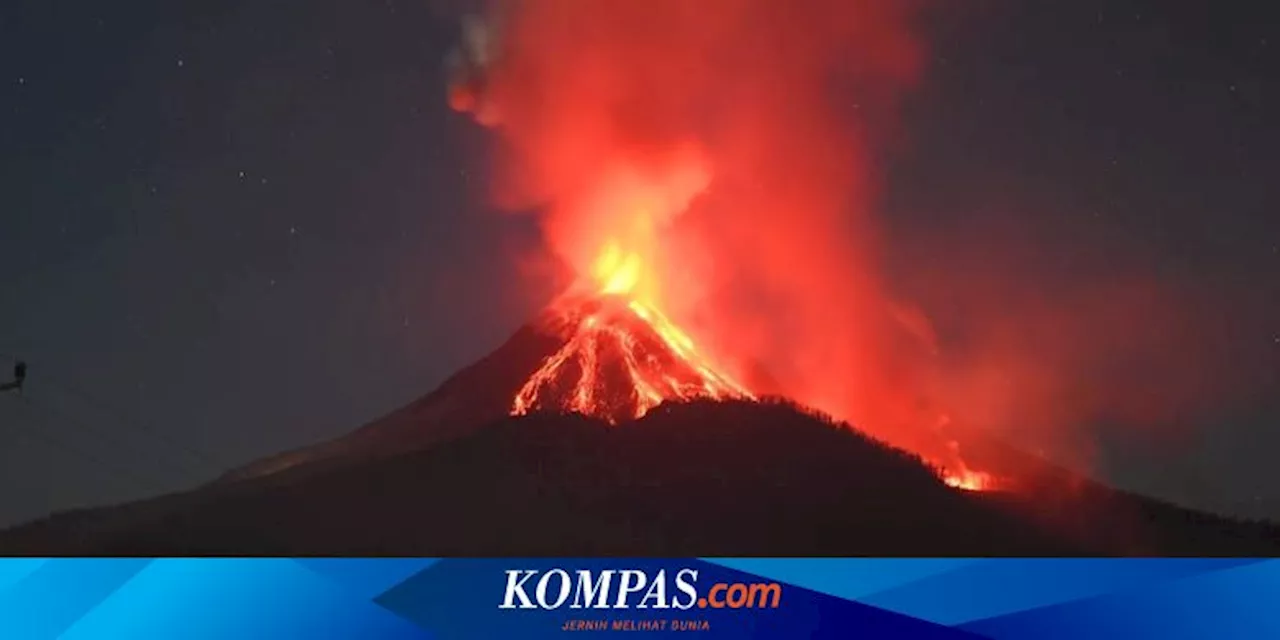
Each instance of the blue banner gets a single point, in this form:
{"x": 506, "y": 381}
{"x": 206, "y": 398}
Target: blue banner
{"x": 1000, "y": 599}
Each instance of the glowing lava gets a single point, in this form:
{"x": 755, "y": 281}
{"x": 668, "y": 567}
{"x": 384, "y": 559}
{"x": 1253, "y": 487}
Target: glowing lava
{"x": 968, "y": 480}
{"x": 621, "y": 355}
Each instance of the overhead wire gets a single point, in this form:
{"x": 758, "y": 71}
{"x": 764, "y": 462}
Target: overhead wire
{"x": 107, "y": 437}
{"x": 152, "y": 436}
{"x": 121, "y": 416}
{"x": 40, "y": 376}
{"x": 47, "y": 436}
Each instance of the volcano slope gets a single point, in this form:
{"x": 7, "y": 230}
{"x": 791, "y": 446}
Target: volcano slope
{"x": 697, "y": 478}
{"x": 502, "y": 459}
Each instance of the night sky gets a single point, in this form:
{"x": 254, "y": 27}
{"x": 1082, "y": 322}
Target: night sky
{"x": 231, "y": 228}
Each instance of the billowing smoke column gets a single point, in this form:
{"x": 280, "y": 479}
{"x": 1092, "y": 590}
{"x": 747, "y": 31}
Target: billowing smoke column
{"x": 726, "y": 146}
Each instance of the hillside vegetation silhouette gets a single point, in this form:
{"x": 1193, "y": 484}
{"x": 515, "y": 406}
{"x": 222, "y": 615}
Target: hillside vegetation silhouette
{"x": 700, "y": 479}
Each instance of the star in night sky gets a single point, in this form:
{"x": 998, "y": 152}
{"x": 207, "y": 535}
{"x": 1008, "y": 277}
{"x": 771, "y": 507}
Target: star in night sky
{"x": 231, "y": 228}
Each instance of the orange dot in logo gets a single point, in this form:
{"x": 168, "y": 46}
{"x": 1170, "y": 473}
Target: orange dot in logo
{"x": 702, "y": 603}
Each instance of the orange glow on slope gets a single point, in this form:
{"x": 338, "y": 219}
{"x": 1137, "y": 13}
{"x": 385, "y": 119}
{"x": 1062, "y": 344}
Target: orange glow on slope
{"x": 968, "y": 480}
{"x": 622, "y": 356}
{"x": 616, "y": 341}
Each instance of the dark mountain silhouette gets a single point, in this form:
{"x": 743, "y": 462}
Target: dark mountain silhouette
{"x": 454, "y": 474}
{"x": 484, "y": 392}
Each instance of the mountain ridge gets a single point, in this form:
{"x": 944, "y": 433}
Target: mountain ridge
{"x": 697, "y": 478}
{"x": 456, "y": 473}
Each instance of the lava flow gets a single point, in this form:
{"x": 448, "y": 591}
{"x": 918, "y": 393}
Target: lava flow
{"x": 621, "y": 355}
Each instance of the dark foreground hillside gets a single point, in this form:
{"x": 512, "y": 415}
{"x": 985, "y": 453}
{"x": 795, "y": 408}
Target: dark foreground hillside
{"x": 697, "y": 479}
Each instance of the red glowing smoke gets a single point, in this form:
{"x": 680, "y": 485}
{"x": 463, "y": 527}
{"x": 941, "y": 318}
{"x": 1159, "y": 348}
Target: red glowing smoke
{"x": 729, "y": 150}
{"x": 746, "y": 130}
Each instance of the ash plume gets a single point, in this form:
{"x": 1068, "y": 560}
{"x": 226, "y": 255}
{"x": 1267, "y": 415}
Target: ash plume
{"x": 730, "y": 143}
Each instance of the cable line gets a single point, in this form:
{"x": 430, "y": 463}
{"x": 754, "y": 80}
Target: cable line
{"x": 41, "y": 377}
{"x": 46, "y": 436}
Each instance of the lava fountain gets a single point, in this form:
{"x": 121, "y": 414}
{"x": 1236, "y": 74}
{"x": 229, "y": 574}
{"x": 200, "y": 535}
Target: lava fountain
{"x": 621, "y": 356}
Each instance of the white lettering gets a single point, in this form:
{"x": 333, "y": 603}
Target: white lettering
{"x": 632, "y": 582}
{"x": 657, "y": 591}
{"x": 686, "y": 587}
{"x": 587, "y": 590}
{"x": 515, "y": 589}
{"x": 541, "y": 592}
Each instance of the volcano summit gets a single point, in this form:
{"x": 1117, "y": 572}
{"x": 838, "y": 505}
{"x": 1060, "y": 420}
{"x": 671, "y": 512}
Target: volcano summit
{"x": 620, "y": 359}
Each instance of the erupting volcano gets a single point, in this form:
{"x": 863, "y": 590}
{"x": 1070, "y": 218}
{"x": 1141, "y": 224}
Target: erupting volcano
{"x": 621, "y": 357}
{"x": 737, "y": 370}
{"x": 720, "y": 218}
